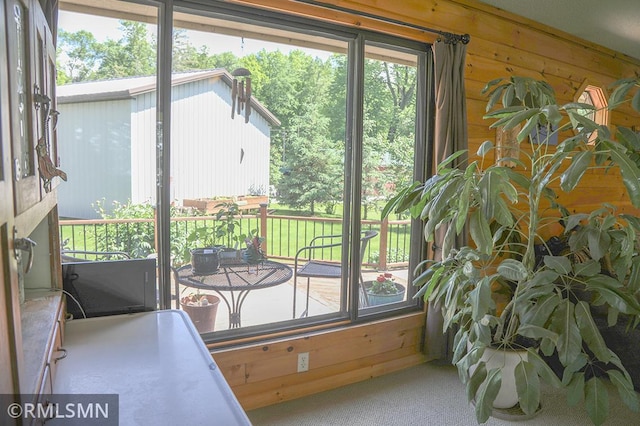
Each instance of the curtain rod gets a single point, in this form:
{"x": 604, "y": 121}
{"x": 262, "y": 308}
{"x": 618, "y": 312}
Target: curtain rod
{"x": 448, "y": 38}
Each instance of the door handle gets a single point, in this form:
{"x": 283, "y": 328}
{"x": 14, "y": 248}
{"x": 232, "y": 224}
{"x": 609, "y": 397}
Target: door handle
{"x": 25, "y": 244}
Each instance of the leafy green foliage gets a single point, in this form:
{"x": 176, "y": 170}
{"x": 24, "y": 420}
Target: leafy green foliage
{"x": 487, "y": 393}
{"x": 81, "y": 49}
{"x": 228, "y": 225}
{"x": 132, "y": 55}
{"x": 384, "y": 284}
{"x": 307, "y": 162}
{"x": 499, "y": 290}
{"x": 307, "y": 94}
{"x": 527, "y": 386}
{"x": 136, "y": 239}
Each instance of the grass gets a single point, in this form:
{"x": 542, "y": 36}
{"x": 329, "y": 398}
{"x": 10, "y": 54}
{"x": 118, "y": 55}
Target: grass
{"x": 284, "y": 237}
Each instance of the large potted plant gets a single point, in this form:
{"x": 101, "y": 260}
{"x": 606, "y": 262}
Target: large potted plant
{"x": 533, "y": 277}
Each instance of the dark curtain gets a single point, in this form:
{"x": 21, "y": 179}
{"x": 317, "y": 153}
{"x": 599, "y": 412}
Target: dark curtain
{"x": 450, "y": 135}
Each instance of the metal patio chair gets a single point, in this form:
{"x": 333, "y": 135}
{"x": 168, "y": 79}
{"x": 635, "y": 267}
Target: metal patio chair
{"x": 305, "y": 266}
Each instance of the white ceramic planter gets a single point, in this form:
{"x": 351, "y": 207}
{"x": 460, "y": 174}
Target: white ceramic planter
{"x": 506, "y": 360}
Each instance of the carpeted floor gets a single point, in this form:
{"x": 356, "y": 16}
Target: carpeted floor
{"x": 426, "y": 395}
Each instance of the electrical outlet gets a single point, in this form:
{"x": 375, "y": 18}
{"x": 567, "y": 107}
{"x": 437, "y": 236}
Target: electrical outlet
{"x": 303, "y": 362}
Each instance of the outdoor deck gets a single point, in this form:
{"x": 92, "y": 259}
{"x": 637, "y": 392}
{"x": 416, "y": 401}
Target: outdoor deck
{"x": 275, "y": 304}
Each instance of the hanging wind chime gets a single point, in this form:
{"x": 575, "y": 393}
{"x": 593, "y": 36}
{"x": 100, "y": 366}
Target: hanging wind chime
{"x": 241, "y": 96}
{"x": 241, "y": 93}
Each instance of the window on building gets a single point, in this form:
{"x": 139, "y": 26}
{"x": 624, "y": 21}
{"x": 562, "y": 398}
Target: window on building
{"x": 594, "y": 96}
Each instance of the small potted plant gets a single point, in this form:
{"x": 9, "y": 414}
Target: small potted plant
{"x": 210, "y": 247}
{"x": 253, "y": 254}
{"x": 205, "y": 255}
{"x": 202, "y": 309}
{"x": 227, "y": 225}
{"x": 384, "y": 290}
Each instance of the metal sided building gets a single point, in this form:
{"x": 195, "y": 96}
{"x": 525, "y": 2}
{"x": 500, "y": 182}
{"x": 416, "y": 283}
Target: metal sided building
{"x": 107, "y": 128}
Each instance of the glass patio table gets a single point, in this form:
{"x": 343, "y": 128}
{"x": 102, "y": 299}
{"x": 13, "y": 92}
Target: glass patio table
{"x": 238, "y": 279}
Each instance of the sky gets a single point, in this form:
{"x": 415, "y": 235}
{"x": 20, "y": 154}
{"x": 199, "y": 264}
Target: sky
{"x": 108, "y": 28}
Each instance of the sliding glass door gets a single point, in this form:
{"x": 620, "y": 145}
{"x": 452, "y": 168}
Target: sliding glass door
{"x": 258, "y": 118}
{"x": 270, "y": 144}
{"x": 390, "y": 141}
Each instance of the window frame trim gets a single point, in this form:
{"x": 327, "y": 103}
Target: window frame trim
{"x": 356, "y": 40}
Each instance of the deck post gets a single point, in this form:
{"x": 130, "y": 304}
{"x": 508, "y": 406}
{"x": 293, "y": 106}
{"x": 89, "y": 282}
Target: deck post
{"x": 263, "y": 225}
{"x": 384, "y": 235}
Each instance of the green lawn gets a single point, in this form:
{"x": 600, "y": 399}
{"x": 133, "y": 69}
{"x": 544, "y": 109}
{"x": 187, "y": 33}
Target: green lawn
{"x": 288, "y": 230}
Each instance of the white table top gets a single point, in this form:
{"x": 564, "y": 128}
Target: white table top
{"x": 156, "y": 362}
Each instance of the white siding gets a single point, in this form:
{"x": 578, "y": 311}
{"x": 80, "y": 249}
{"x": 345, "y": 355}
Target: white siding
{"x": 207, "y": 144}
{"x": 143, "y": 148}
{"x": 108, "y": 149}
{"x": 94, "y": 145}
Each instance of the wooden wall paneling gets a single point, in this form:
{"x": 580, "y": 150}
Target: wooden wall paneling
{"x": 263, "y": 374}
{"x": 622, "y": 116}
{"x": 541, "y": 64}
{"x": 350, "y": 347}
{"x": 489, "y": 23}
{"x": 625, "y": 109}
{"x": 473, "y": 90}
{"x": 291, "y": 387}
{"x": 482, "y": 131}
{"x": 284, "y": 388}
{"x": 482, "y": 70}
{"x": 476, "y": 110}
{"x": 301, "y": 341}
{"x": 233, "y": 373}
{"x": 307, "y": 342}
{"x": 338, "y": 17}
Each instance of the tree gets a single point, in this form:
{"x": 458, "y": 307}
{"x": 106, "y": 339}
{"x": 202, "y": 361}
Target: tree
{"x": 187, "y": 57}
{"x": 83, "y": 58}
{"x": 313, "y": 167}
{"x": 336, "y": 106}
{"x": 295, "y": 87}
{"x": 224, "y": 60}
{"x": 401, "y": 84}
{"x": 374, "y": 176}
{"x": 389, "y": 126}
{"x": 81, "y": 52}
{"x": 132, "y": 55}
{"x": 308, "y": 96}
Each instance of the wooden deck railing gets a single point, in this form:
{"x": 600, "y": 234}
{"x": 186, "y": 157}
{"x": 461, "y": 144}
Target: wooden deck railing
{"x": 283, "y": 235}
